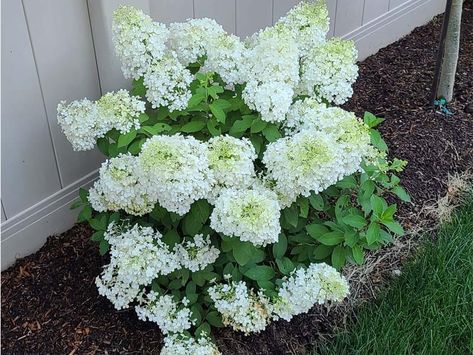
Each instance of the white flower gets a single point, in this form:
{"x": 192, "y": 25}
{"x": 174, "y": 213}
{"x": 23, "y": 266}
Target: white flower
{"x": 196, "y": 254}
{"x": 137, "y": 257}
{"x": 122, "y": 185}
{"x": 302, "y": 163}
{"x": 138, "y": 40}
{"x": 170, "y": 316}
{"x": 241, "y": 308}
{"x": 177, "y": 344}
{"x": 272, "y": 99}
{"x": 179, "y": 169}
{"x": 252, "y": 215}
{"x": 231, "y": 162}
{"x": 224, "y": 57}
{"x": 84, "y": 121}
{"x": 167, "y": 83}
{"x": 191, "y": 39}
{"x": 329, "y": 71}
{"x": 308, "y": 23}
{"x": 299, "y": 292}
{"x": 119, "y": 110}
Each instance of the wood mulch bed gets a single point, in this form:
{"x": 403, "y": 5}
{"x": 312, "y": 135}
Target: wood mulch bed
{"x": 49, "y": 300}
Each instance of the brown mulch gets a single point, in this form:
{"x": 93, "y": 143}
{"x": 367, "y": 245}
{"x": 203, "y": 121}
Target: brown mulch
{"x": 49, "y": 300}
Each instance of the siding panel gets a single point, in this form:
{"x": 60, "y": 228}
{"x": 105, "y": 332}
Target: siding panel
{"x": 281, "y": 7}
{"x": 374, "y": 9}
{"x": 59, "y": 68}
{"x": 222, "y": 11}
{"x": 168, "y": 11}
{"x": 332, "y": 12}
{"x": 349, "y": 16}
{"x": 251, "y": 16}
{"x": 396, "y": 3}
{"x": 29, "y": 170}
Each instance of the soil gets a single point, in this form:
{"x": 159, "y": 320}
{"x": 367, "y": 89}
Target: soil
{"x": 49, "y": 300}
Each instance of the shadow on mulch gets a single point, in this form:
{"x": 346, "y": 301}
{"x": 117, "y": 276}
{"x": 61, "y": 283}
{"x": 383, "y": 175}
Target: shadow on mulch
{"x": 49, "y": 300}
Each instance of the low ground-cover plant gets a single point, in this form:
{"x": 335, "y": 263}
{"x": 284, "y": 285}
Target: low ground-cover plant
{"x": 233, "y": 191}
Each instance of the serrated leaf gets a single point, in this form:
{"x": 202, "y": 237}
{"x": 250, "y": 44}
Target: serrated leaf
{"x": 355, "y": 221}
{"x": 223, "y": 104}
{"x": 291, "y": 215}
{"x": 214, "y": 319}
{"x": 85, "y": 214}
{"x": 358, "y": 254}
{"x": 258, "y": 125}
{"x": 377, "y": 141}
{"x": 394, "y": 227}
{"x": 84, "y": 195}
{"x": 97, "y": 236}
{"x": 212, "y": 127}
{"x": 316, "y": 230}
{"x": 331, "y": 238}
{"x": 338, "y": 257}
{"x": 193, "y": 126}
{"x": 348, "y": 182}
{"x": 217, "y": 112}
{"x": 157, "y": 128}
{"x": 271, "y": 133}
{"x": 378, "y": 204}
{"x": 260, "y": 273}
{"x": 241, "y": 125}
{"x": 401, "y": 193}
{"x": 214, "y": 91}
{"x": 195, "y": 100}
{"x": 279, "y": 248}
{"x": 371, "y": 120}
{"x": 103, "y": 247}
{"x": 203, "y": 330}
{"x": 126, "y": 139}
{"x": 373, "y": 233}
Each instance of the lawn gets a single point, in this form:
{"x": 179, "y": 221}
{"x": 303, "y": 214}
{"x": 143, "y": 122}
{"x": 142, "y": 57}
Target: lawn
{"x": 429, "y": 308}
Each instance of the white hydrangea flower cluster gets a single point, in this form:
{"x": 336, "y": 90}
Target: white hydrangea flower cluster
{"x": 138, "y": 255}
{"x": 251, "y": 214}
{"x": 178, "y": 344}
{"x": 190, "y": 39}
{"x": 84, "y": 121}
{"x": 231, "y": 162}
{"x": 167, "y": 82}
{"x": 138, "y": 40}
{"x": 196, "y": 254}
{"x": 299, "y": 292}
{"x": 329, "y": 71}
{"x": 122, "y": 186}
{"x": 242, "y": 309}
{"x": 170, "y": 316}
{"x": 307, "y": 161}
{"x": 178, "y": 166}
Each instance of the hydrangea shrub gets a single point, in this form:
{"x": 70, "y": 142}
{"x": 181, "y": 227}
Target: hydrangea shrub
{"x": 233, "y": 190}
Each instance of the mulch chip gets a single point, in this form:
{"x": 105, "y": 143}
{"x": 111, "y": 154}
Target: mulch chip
{"x": 49, "y": 300}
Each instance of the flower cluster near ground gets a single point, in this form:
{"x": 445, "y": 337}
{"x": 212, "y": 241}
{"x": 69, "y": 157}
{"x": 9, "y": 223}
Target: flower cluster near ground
{"x": 231, "y": 182}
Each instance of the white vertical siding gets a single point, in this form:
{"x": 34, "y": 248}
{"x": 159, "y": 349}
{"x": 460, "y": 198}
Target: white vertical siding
{"x": 373, "y": 9}
{"x": 66, "y": 69}
{"x": 29, "y": 170}
{"x": 4, "y": 217}
{"x": 332, "y": 14}
{"x": 396, "y": 3}
{"x": 348, "y": 17}
{"x": 252, "y": 15}
{"x": 168, "y": 11}
{"x": 223, "y": 11}
{"x": 281, "y": 7}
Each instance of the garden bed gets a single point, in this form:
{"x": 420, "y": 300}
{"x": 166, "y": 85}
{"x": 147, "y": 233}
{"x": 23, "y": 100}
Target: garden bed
{"x": 50, "y": 302}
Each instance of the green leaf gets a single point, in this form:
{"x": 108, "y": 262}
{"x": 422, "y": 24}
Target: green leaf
{"x": 394, "y": 227}
{"x": 285, "y": 265}
{"x": 214, "y": 91}
{"x": 317, "y": 202}
{"x": 171, "y": 238}
{"x": 260, "y": 273}
{"x": 401, "y": 193}
{"x": 143, "y": 117}
{"x": 102, "y": 144}
{"x": 135, "y": 147}
{"x": 103, "y": 247}
{"x": 193, "y": 126}
{"x": 271, "y": 133}
{"x": 354, "y": 220}
{"x": 85, "y": 214}
{"x": 223, "y": 104}
{"x": 377, "y": 141}
{"x": 348, "y": 182}
{"x": 243, "y": 252}
{"x": 126, "y": 139}
{"x": 214, "y": 318}
{"x": 279, "y": 248}
{"x": 331, "y": 238}
{"x": 201, "y": 210}
{"x": 241, "y": 125}
{"x": 373, "y": 233}
{"x": 316, "y": 230}
{"x": 99, "y": 223}
{"x": 358, "y": 254}
{"x": 203, "y": 330}
{"x": 338, "y": 257}
{"x": 388, "y": 213}
{"x": 212, "y": 127}
{"x": 291, "y": 215}
{"x": 190, "y": 225}
{"x": 195, "y": 100}
{"x": 371, "y": 120}
{"x": 76, "y": 204}
{"x": 97, "y": 236}
{"x": 84, "y": 195}
{"x": 217, "y": 112}
{"x": 257, "y": 142}
{"x": 138, "y": 88}
{"x": 304, "y": 206}
{"x": 156, "y": 129}
{"x": 378, "y": 204}
{"x": 322, "y": 251}
{"x": 258, "y": 125}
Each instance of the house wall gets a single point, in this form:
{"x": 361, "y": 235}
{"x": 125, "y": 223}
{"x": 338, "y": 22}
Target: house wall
{"x": 56, "y": 50}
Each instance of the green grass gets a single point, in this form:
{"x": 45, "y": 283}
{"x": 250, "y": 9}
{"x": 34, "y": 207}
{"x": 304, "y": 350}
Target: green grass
{"x": 429, "y": 308}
